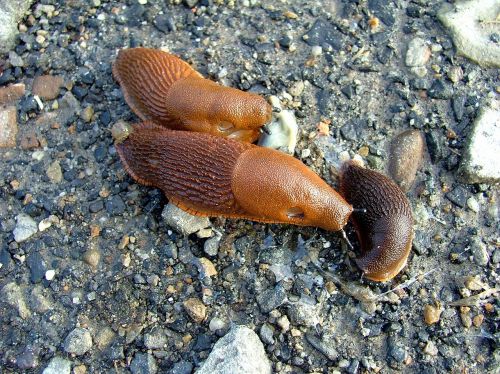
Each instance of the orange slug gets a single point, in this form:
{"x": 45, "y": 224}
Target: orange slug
{"x": 215, "y": 176}
{"x": 161, "y": 88}
{"x": 385, "y": 228}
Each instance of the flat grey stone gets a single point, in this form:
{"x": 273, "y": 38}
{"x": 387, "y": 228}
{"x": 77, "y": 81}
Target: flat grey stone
{"x": 25, "y": 228}
{"x": 239, "y": 351}
{"x": 58, "y": 365}
{"x": 78, "y": 341}
{"x": 182, "y": 221}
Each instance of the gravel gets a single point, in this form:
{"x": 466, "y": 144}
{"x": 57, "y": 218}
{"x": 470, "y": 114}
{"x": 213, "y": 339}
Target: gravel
{"x": 146, "y": 294}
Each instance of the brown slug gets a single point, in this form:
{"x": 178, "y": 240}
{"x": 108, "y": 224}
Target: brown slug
{"x": 215, "y": 176}
{"x": 161, "y": 88}
{"x": 385, "y": 227}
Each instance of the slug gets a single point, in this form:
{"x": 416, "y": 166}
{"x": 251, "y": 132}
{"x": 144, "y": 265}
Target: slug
{"x": 384, "y": 227}
{"x": 161, "y": 88}
{"x": 214, "y": 176}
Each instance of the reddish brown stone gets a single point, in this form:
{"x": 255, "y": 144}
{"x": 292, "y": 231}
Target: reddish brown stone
{"x": 405, "y": 157}
{"x": 47, "y": 86}
{"x": 29, "y": 141}
{"x": 8, "y": 127}
{"x": 11, "y": 93}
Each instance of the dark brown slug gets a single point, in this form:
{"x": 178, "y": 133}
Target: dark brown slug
{"x": 161, "y": 88}
{"x": 385, "y": 229}
{"x": 214, "y": 176}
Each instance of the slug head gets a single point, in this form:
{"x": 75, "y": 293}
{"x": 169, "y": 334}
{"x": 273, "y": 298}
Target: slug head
{"x": 385, "y": 228}
{"x": 275, "y": 187}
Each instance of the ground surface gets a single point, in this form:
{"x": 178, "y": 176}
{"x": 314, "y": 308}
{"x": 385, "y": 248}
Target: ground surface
{"x": 108, "y": 264}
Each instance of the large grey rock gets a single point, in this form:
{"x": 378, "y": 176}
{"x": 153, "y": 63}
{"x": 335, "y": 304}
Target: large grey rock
{"x": 11, "y": 12}
{"x": 471, "y": 24}
{"x": 25, "y": 228}
{"x": 182, "y": 221}
{"x": 239, "y": 351}
{"x": 480, "y": 160}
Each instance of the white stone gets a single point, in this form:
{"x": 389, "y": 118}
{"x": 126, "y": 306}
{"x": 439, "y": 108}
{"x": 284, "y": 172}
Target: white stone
{"x": 418, "y": 53}
{"x": 50, "y": 274}
{"x": 25, "y": 228}
{"x": 480, "y": 159}
{"x": 471, "y": 24}
{"x": 182, "y": 221}
{"x": 239, "y": 351}
{"x": 58, "y": 365}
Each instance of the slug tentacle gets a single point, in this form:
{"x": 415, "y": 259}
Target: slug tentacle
{"x": 214, "y": 176}
{"x": 162, "y": 88}
{"x": 385, "y": 229}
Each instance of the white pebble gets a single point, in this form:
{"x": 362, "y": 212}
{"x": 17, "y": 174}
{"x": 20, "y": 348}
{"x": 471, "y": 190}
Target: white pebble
{"x": 316, "y": 51}
{"x": 50, "y": 274}
{"x": 473, "y": 204}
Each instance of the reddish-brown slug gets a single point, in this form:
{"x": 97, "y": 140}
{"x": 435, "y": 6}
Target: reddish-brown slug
{"x": 385, "y": 228}
{"x": 161, "y": 88}
{"x": 214, "y": 176}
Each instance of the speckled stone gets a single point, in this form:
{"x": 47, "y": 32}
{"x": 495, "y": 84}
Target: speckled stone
{"x": 78, "y": 341}
{"x": 47, "y": 86}
{"x": 8, "y": 127}
{"x": 405, "y": 157}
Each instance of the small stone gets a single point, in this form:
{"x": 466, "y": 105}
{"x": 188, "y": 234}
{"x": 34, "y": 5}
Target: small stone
{"x": 271, "y": 298}
{"x": 440, "y": 90}
{"x": 182, "y": 367}
{"x": 29, "y": 140}
{"x": 418, "y": 53}
{"x": 87, "y": 113}
{"x": 54, "y": 172}
{"x": 479, "y": 161}
{"x": 211, "y": 246}
{"x": 432, "y": 314}
{"x": 217, "y": 324}
{"x": 207, "y": 268}
{"x": 27, "y": 359}
{"x": 80, "y": 369}
{"x": 465, "y": 316}
{"x": 266, "y": 333}
{"x": 283, "y": 323}
{"x": 13, "y": 295}
{"x": 239, "y": 351}
{"x": 50, "y": 274}
{"x": 195, "y": 309}
{"x": 405, "y": 157}
{"x": 477, "y": 321}
{"x": 11, "y": 94}
{"x": 297, "y": 88}
{"x": 182, "y": 221}
{"x": 8, "y": 127}
{"x": 92, "y": 257}
{"x": 143, "y": 363}
{"x": 15, "y": 59}
{"x": 25, "y": 228}
{"x": 303, "y": 313}
{"x": 115, "y": 205}
{"x": 165, "y": 23}
{"x": 479, "y": 252}
{"x": 455, "y": 74}
{"x": 47, "y": 86}
{"x": 78, "y": 342}
{"x": 156, "y": 339}
{"x": 473, "y": 204}
{"x": 316, "y": 51}
{"x": 58, "y": 365}
{"x": 431, "y": 349}
{"x": 325, "y": 346}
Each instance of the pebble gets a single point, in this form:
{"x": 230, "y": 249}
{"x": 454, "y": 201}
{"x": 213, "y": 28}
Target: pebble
{"x": 156, "y": 339}
{"x": 182, "y": 367}
{"x": 13, "y": 295}
{"x": 217, "y": 323}
{"x": 25, "y": 228}
{"x": 78, "y": 342}
{"x": 195, "y": 309}
{"x": 207, "y": 268}
{"x": 115, "y": 205}
{"x": 27, "y": 359}
{"x": 11, "y": 94}
{"x": 473, "y": 204}
{"x": 303, "y": 313}
{"x": 464, "y": 22}
{"x": 58, "y": 365}
{"x": 239, "y": 351}
{"x": 325, "y": 346}
{"x": 143, "y": 363}
{"x": 54, "y": 172}
{"x": 432, "y": 314}
{"x": 284, "y": 323}
{"x": 405, "y": 158}
{"x": 479, "y": 252}
{"x": 8, "y": 127}
{"x": 47, "y": 86}
{"x": 271, "y": 298}
{"x": 15, "y": 59}
{"x": 479, "y": 161}
{"x": 92, "y": 257}
{"x": 266, "y": 333}
{"x": 50, "y": 274}
{"x": 211, "y": 246}
{"x": 431, "y": 349}
{"x": 418, "y": 53}
{"x": 182, "y": 221}
{"x": 440, "y": 90}
{"x": 455, "y": 74}
{"x": 87, "y": 113}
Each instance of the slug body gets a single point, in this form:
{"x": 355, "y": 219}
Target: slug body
{"x": 385, "y": 229}
{"x": 214, "y": 176}
{"x": 161, "y": 88}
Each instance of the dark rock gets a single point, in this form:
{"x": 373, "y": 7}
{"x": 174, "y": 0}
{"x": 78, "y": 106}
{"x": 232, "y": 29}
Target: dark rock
{"x": 383, "y": 10}
{"x": 440, "y": 90}
{"x": 143, "y": 363}
{"x": 324, "y": 32}
{"x": 165, "y": 23}
{"x": 80, "y": 92}
{"x": 271, "y": 298}
{"x": 286, "y": 41}
{"x": 37, "y": 267}
{"x": 434, "y": 145}
{"x": 115, "y": 205}
{"x": 27, "y": 360}
{"x": 100, "y": 153}
{"x": 419, "y": 84}
{"x": 414, "y": 11}
{"x": 105, "y": 118}
{"x": 353, "y": 366}
{"x": 203, "y": 342}
{"x": 458, "y": 105}
{"x": 348, "y": 91}
{"x": 182, "y": 367}
{"x": 458, "y": 196}
{"x": 325, "y": 346}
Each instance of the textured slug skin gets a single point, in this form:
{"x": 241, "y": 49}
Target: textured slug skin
{"x": 161, "y": 88}
{"x": 215, "y": 176}
{"x": 385, "y": 230}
